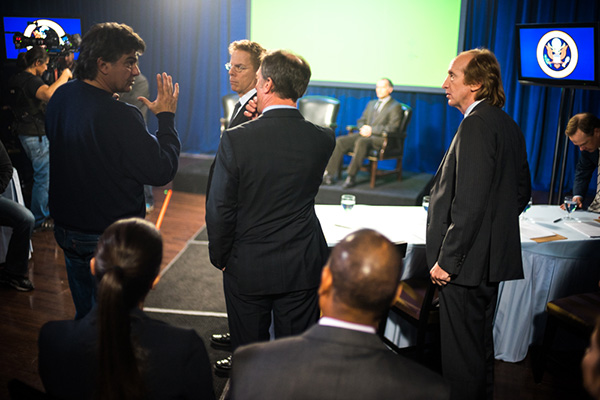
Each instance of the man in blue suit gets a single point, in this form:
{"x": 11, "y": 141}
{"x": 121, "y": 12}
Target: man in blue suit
{"x": 262, "y": 228}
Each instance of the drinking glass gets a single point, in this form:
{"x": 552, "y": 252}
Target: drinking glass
{"x": 426, "y": 202}
{"x": 348, "y": 201}
{"x": 527, "y": 207}
{"x": 570, "y": 206}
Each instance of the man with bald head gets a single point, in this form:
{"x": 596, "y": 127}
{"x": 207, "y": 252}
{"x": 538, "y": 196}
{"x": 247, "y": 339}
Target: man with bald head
{"x": 341, "y": 357}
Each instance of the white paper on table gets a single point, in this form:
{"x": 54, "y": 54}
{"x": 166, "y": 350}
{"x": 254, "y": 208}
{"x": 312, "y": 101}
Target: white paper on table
{"x": 530, "y": 231}
{"x": 588, "y": 228}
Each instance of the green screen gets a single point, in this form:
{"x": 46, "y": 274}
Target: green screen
{"x": 355, "y": 43}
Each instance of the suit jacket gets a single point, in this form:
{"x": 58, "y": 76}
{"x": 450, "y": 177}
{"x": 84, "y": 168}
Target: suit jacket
{"x": 239, "y": 119}
{"x": 479, "y": 190}
{"x": 330, "y": 363}
{"x": 586, "y": 165}
{"x": 176, "y": 363}
{"x": 260, "y": 215}
{"x": 387, "y": 120}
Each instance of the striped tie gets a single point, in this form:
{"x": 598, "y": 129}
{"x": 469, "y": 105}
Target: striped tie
{"x": 595, "y": 206}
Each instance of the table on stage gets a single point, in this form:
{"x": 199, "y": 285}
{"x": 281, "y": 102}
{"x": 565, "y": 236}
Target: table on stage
{"x": 552, "y": 269}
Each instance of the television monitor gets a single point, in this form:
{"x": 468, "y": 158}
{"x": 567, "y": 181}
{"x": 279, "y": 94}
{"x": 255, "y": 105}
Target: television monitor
{"x": 39, "y": 28}
{"x": 558, "y": 54}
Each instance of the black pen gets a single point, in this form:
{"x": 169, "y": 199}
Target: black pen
{"x": 557, "y": 220}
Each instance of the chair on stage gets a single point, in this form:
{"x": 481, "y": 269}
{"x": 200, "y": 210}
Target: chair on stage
{"x": 576, "y": 314}
{"x": 392, "y": 149}
{"x": 229, "y": 101}
{"x": 320, "y": 110}
{"x": 418, "y": 304}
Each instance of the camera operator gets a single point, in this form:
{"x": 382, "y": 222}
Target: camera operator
{"x": 57, "y": 66}
{"x": 29, "y": 95}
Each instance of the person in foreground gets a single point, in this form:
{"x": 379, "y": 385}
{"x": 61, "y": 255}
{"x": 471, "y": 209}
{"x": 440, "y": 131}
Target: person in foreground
{"x": 590, "y": 365}
{"x": 117, "y": 351}
{"x": 101, "y": 152}
{"x": 341, "y": 357}
{"x": 473, "y": 239}
{"x": 263, "y": 232}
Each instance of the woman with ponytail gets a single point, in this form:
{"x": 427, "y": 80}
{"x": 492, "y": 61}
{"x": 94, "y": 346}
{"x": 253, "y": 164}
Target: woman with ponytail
{"x": 28, "y": 95}
{"x": 117, "y": 351}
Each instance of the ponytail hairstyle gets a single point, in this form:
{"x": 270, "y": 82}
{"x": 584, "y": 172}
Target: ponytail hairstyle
{"x": 128, "y": 260}
{"x": 31, "y": 56}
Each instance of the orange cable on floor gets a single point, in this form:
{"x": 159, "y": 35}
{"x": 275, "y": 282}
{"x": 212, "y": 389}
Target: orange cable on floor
{"x": 163, "y": 209}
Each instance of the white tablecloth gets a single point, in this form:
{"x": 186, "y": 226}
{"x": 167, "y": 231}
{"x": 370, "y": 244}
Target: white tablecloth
{"x": 552, "y": 270}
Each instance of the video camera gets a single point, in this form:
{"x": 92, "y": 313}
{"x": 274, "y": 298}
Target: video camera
{"x": 44, "y": 33}
{"x": 53, "y": 44}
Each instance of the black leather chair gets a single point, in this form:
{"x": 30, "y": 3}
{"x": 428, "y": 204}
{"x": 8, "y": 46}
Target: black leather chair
{"x": 576, "y": 314}
{"x": 229, "y": 101}
{"x": 320, "y": 110}
{"x": 418, "y": 303}
{"x": 393, "y": 148}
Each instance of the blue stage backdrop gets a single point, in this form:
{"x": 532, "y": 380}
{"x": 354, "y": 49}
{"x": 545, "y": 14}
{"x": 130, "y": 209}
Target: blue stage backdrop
{"x": 189, "y": 38}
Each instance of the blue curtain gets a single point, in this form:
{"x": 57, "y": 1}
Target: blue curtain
{"x": 189, "y": 39}
{"x": 186, "y": 38}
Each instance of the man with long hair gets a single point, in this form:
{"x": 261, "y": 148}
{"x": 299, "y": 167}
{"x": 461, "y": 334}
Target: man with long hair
{"x": 473, "y": 239}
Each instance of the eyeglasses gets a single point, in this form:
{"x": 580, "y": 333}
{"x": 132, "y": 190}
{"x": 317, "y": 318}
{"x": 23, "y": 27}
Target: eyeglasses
{"x": 237, "y": 68}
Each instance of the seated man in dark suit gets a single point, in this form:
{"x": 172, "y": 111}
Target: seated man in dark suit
{"x": 341, "y": 357}
{"x": 381, "y": 118}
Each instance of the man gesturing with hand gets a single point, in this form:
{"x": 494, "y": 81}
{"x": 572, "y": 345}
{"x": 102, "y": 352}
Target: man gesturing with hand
{"x": 101, "y": 153}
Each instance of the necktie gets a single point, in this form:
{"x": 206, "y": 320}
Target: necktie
{"x": 234, "y": 113}
{"x": 375, "y": 112}
{"x": 595, "y": 206}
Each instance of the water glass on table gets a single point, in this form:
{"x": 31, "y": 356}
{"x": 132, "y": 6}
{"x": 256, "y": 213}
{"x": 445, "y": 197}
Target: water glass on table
{"x": 425, "y": 203}
{"x": 348, "y": 201}
{"x": 527, "y": 207}
{"x": 570, "y": 206}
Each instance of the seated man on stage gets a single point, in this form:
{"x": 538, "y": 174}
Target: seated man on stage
{"x": 341, "y": 357}
{"x": 381, "y": 118}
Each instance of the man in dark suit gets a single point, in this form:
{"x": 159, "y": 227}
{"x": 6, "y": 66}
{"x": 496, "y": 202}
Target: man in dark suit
{"x": 583, "y": 131}
{"x": 380, "y": 119}
{"x": 242, "y": 67}
{"x": 262, "y": 228}
{"x": 341, "y": 357}
{"x": 473, "y": 242}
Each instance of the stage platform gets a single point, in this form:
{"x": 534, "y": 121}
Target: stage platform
{"x": 192, "y": 177}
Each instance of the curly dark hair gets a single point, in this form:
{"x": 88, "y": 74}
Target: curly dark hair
{"x": 109, "y": 41}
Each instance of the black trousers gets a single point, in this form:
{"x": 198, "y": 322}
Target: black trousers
{"x": 467, "y": 342}
{"x": 249, "y": 316}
